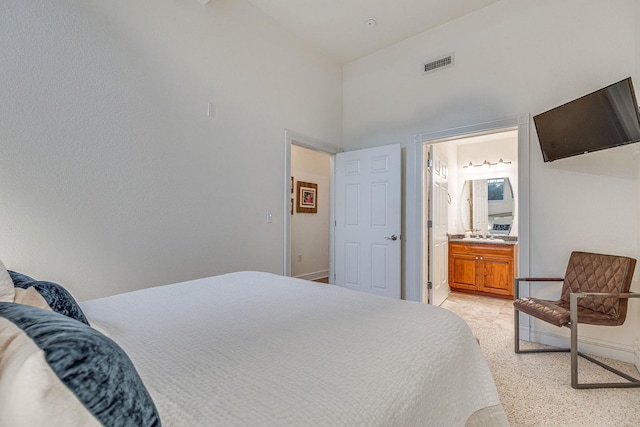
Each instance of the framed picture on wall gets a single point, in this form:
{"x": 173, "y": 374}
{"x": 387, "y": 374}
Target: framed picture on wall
{"x": 307, "y": 197}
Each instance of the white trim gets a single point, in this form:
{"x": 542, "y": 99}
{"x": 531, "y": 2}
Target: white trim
{"x": 293, "y": 138}
{"x": 524, "y": 174}
{"x": 521, "y": 123}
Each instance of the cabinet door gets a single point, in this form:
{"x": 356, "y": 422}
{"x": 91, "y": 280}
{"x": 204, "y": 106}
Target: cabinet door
{"x": 497, "y": 275}
{"x": 463, "y": 271}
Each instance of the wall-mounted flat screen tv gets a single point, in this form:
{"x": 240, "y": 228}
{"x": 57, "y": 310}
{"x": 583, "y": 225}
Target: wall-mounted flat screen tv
{"x": 605, "y": 118}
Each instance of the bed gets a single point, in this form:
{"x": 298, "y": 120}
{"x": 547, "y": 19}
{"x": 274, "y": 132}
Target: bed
{"x": 250, "y": 348}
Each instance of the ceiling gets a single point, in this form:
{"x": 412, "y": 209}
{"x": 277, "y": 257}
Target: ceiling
{"x": 339, "y": 28}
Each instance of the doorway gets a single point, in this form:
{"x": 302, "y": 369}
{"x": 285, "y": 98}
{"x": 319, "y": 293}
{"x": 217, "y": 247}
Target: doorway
{"x": 377, "y": 214}
{"x": 295, "y": 141}
{"x": 476, "y": 148}
{"x": 310, "y": 224}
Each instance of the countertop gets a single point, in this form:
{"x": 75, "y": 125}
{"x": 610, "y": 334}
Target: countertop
{"x": 491, "y": 240}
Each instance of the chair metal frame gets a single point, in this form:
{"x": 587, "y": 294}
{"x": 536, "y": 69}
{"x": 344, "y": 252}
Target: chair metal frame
{"x": 573, "y": 326}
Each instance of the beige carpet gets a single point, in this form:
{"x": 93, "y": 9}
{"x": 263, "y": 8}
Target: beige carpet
{"x": 535, "y": 389}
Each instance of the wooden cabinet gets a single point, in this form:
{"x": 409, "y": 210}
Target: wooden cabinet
{"x": 482, "y": 268}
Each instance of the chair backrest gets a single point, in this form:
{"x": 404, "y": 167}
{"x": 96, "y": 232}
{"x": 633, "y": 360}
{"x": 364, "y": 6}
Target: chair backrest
{"x": 588, "y": 272}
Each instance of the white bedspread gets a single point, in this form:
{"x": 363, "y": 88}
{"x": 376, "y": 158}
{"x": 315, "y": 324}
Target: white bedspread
{"x": 256, "y": 349}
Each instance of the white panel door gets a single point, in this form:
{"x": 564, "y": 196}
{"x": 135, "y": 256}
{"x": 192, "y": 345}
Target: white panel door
{"x": 368, "y": 215}
{"x": 439, "y": 219}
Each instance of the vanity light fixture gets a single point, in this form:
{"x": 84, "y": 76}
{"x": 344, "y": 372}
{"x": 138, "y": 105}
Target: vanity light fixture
{"x": 487, "y": 163}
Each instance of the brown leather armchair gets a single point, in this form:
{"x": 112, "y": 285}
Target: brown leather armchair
{"x": 595, "y": 291}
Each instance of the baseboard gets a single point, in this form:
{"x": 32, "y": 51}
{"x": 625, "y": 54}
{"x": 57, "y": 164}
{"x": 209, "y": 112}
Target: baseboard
{"x": 590, "y": 346}
{"x": 314, "y": 276}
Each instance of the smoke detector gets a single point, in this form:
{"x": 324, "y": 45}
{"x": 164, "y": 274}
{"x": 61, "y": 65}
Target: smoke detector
{"x": 370, "y": 22}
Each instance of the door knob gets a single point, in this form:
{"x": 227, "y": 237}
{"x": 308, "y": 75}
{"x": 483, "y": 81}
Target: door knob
{"x": 392, "y": 237}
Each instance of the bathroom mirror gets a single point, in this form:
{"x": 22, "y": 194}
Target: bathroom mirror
{"x": 487, "y": 206}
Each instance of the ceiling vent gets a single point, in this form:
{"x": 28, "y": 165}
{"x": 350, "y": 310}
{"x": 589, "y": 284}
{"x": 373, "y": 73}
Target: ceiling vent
{"x": 445, "y": 61}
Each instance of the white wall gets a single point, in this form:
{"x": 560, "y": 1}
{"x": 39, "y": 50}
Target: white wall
{"x": 112, "y": 175}
{"x": 310, "y": 232}
{"x": 512, "y": 58}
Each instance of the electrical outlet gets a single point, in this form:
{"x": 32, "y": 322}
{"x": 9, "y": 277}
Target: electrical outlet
{"x": 299, "y": 257}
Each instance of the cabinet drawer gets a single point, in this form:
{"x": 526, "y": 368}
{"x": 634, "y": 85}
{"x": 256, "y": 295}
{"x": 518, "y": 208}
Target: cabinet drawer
{"x": 481, "y": 249}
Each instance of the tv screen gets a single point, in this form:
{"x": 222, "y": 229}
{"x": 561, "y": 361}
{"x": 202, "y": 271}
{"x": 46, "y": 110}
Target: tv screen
{"x": 602, "y": 119}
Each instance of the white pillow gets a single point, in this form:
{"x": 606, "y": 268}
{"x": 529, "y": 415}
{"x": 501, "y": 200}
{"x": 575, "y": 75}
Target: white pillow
{"x": 7, "y": 291}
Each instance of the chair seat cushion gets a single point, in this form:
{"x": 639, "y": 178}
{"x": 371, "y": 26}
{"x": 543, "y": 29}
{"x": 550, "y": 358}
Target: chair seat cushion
{"x": 558, "y": 313}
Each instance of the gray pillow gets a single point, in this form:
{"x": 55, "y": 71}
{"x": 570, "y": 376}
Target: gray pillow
{"x": 56, "y": 296}
{"x": 62, "y": 372}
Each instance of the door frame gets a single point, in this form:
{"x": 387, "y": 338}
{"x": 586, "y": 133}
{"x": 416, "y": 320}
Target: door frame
{"x": 430, "y": 214}
{"x": 294, "y": 138}
{"x": 521, "y": 123}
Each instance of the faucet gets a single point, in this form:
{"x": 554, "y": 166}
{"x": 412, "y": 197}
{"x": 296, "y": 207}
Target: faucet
{"x": 478, "y": 234}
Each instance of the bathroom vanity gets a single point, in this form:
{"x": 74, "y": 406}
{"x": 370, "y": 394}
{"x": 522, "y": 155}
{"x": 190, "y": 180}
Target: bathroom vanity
{"x": 483, "y": 260}
{"x": 483, "y": 266}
